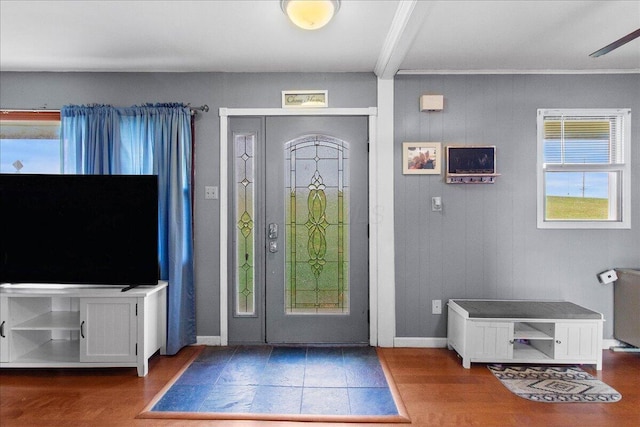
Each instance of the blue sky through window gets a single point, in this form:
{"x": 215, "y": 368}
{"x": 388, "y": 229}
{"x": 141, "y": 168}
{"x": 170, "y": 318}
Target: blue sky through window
{"x": 36, "y": 155}
{"x": 577, "y": 184}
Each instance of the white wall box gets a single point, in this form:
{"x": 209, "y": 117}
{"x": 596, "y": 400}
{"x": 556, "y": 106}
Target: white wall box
{"x": 431, "y": 102}
{"x": 81, "y": 326}
{"x": 523, "y": 331}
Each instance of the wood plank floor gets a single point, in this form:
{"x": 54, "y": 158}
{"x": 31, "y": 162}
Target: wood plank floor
{"x": 436, "y": 391}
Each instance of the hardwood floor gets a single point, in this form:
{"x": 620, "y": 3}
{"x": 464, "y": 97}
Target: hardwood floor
{"x": 435, "y": 389}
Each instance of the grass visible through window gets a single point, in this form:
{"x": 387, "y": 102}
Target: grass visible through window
{"x": 577, "y": 208}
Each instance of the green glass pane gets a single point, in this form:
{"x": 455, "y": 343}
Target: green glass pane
{"x": 316, "y": 265}
{"x": 245, "y": 224}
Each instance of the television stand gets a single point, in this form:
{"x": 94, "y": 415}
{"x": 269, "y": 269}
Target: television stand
{"x": 68, "y": 326}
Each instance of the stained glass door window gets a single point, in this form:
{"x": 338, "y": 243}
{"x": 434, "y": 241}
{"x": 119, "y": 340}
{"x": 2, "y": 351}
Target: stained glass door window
{"x": 244, "y": 146}
{"x": 316, "y": 220}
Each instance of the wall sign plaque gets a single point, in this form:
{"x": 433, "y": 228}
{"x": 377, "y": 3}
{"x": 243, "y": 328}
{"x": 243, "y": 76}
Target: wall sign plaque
{"x": 305, "y": 99}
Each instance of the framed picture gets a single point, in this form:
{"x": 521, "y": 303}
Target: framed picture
{"x": 421, "y": 158}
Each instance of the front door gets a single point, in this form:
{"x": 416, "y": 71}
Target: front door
{"x": 301, "y": 223}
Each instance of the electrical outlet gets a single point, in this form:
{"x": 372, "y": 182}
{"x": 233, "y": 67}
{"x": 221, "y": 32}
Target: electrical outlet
{"x": 436, "y": 306}
{"x": 210, "y": 192}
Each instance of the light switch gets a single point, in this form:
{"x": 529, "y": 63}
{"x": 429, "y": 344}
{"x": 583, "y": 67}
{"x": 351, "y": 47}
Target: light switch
{"x": 436, "y": 204}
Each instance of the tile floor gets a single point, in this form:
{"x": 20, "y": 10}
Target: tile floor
{"x": 282, "y": 380}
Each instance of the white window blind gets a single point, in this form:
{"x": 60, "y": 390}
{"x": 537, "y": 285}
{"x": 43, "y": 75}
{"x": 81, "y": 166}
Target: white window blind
{"x": 584, "y": 140}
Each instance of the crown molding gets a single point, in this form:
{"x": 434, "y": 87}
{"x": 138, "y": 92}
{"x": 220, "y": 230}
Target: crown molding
{"x": 523, "y": 72}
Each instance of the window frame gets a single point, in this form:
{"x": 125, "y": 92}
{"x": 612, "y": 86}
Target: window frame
{"x": 34, "y": 116}
{"x": 621, "y": 189}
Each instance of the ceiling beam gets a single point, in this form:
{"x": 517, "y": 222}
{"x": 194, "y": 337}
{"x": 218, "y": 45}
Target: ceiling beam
{"x": 409, "y": 18}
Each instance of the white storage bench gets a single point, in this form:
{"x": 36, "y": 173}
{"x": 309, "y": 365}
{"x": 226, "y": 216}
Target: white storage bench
{"x": 524, "y": 331}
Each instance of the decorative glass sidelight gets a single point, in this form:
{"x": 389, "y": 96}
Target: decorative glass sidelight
{"x": 317, "y": 229}
{"x": 244, "y": 145}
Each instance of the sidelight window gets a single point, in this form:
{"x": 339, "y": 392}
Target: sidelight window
{"x": 245, "y": 299}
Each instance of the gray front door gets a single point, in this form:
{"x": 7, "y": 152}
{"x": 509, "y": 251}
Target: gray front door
{"x": 301, "y": 220}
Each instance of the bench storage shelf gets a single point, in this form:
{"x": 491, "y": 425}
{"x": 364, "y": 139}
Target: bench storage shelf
{"x": 508, "y": 331}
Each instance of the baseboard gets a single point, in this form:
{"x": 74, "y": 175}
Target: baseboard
{"x": 419, "y": 342}
{"x": 398, "y": 341}
{"x": 208, "y": 340}
{"x": 442, "y": 342}
{"x": 607, "y": 344}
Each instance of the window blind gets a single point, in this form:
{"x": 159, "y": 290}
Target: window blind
{"x": 583, "y": 140}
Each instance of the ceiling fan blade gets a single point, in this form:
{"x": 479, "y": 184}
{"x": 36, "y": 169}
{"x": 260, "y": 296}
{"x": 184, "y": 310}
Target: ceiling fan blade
{"x": 616, "y": 44}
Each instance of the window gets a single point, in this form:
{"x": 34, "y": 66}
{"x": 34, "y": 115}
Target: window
{"x": 317, "y": 225}
{"x": 30, "y": 142}
{"x": 584, "y": 174}
{"x": 245, "y": 181}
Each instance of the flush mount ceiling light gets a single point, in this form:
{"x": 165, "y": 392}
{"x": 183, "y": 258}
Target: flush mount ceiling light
{"x": 310, "y": 14}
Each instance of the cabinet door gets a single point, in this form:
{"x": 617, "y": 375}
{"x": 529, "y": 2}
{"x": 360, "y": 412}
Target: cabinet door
{"x": 490, "y": 340}
{"x": 108, "y": 329}
{"x": 4, "y": 329}
{"x": 576, "y": 340}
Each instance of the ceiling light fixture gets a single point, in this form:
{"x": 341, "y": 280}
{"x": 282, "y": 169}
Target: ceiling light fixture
{"x": 310, "y": 14}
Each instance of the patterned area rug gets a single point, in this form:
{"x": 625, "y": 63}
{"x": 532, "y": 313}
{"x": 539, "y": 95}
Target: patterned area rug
{"x": 554, "y": 384}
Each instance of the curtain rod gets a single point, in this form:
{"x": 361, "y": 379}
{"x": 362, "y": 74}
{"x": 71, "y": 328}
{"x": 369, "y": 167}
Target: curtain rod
{"x": 194, "y": 110}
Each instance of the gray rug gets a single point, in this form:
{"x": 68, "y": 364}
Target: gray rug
{"x": 554, "y": 384}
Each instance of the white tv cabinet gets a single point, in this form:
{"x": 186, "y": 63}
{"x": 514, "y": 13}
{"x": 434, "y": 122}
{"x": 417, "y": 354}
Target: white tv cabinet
{"x": 523, "y": 331}
{"x": 66, "y": 326}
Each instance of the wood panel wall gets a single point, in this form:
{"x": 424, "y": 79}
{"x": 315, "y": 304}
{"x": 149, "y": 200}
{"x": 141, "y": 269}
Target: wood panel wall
{"x": 485, "y": 242}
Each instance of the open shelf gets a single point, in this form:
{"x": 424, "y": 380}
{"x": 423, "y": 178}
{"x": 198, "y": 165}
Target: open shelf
{"x": 524, "y": 331}
{"x": 53, "y": 320}
{"x": 53, "y": 351}
{"x": 525, "y": 351}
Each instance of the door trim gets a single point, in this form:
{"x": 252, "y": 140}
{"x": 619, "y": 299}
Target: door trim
{"x": 376, "y": 225}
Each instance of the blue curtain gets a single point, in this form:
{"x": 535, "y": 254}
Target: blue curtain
{"x": 146, "y": 140}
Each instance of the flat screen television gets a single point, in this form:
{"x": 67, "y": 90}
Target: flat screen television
{"x": 79, "y": 229}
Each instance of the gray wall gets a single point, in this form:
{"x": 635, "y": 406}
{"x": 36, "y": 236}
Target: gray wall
{"x": 237, "y": 90}
{"x": 484, "y": 243}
